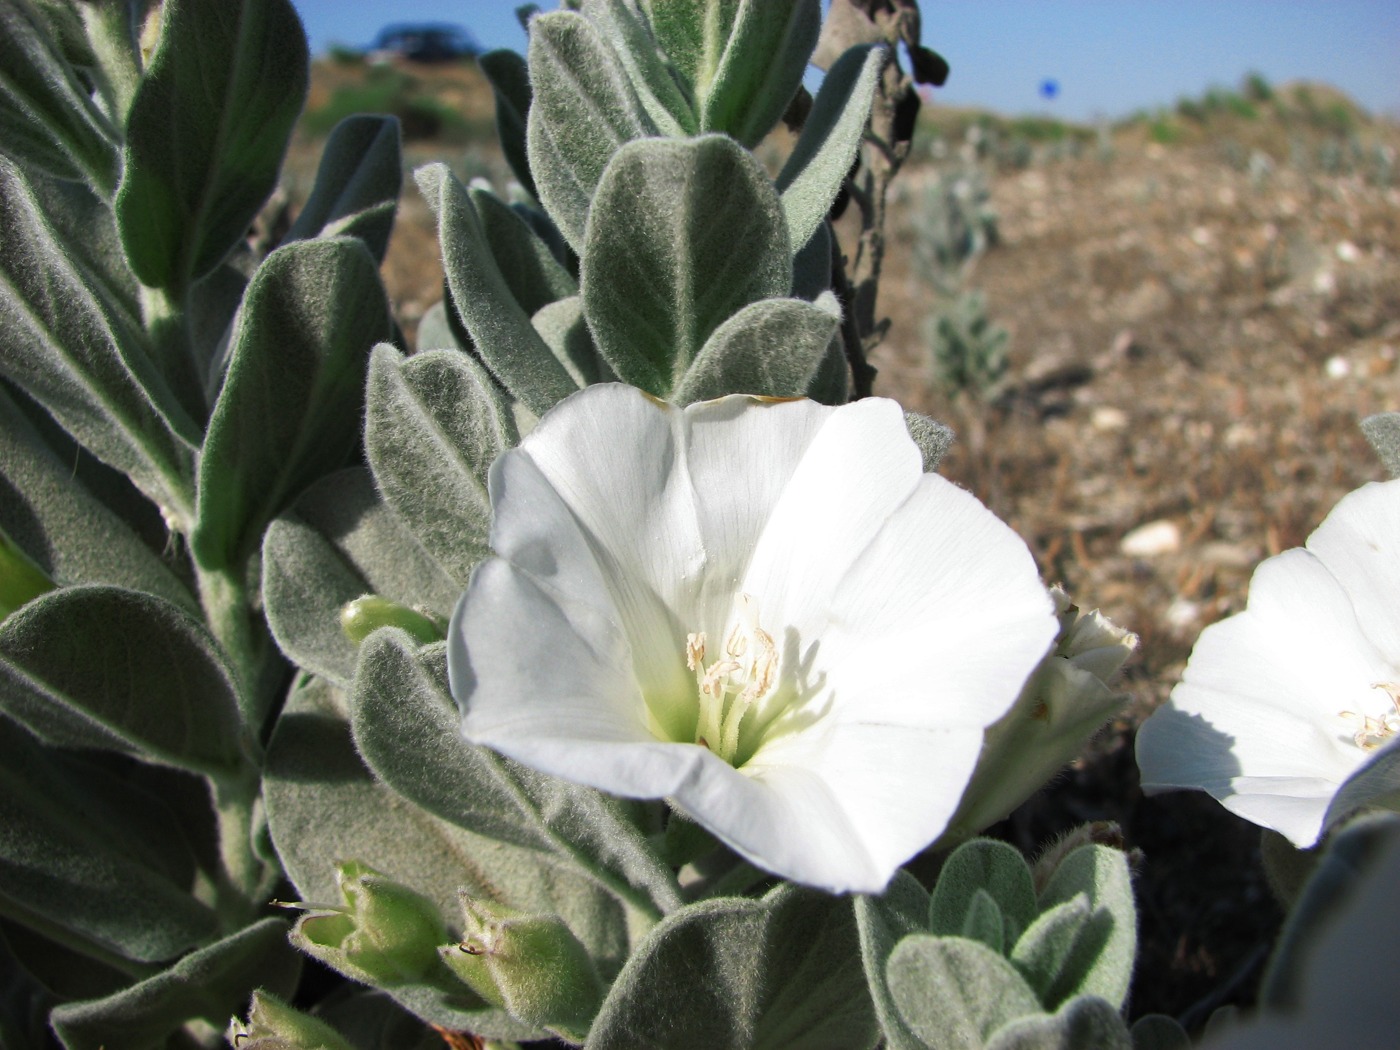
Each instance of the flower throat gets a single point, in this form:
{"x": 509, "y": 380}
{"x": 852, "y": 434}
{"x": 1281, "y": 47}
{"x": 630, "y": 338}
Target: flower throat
{"x": 738, "y": 677}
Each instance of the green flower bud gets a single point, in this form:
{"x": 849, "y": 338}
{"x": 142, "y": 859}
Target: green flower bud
{"x": 274, "y": 1025}
{"x": 386, "y": 935}
{"x": 532, "y": 965}
{"x": 20, "y": 579}
{"x": 365, "y": 615}
{"x": 1064, "y": 702}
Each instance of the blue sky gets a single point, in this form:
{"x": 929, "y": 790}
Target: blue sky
{"x": 1109, "y": 57}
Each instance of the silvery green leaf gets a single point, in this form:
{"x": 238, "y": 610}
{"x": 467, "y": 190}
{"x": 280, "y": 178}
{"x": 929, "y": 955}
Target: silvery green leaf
{"x": 510, "y": 83}
{"x": 811, "y": 265}
{"x": 206, "y": 133}
{"x": 357, "y": 185}
{"x": 933, "y": 438}
{"x": 90, "y": 860}
{"x": 1383, "y": 432}
{"x": 499, "y": 327}
{"x": 65, "y": 528}
{"x": 377, "y": 1022}
{"x": 531, "y": 272}
{"x": 1376, "y": 782}
{"x": 954, "y": 993}
{"x": 208, "y": 985}
{"x": 683, "y": 235}
{"x": 100, "y": 666}
{"x": 819, "y": 163}
{"x": 563, "y": 326}
{"x": 1083, "y": 1022}
{"x": 750, "y": 79}
{"x": 435, "y": 331}
{"x": 407, "y": 727}
{"x": 1099, "y": 962}
{"x": 773, "y": 347}
{"x": 1046, "y": 951}
{"x": 69, "y": 349}
{"x": 338, "y": 542}
{"x": 584, "y": 108}
{"x": 434, "y": 423}
{"x": 743, "y": 974}
{"x": 882, "y": 922}
{"x": 47, "y": 119}
{"x": 213, "y": 307}
{"x": 59, "y": 970}
{"x": 290, "y": 406}
{"x": 660, "y": 87}
{"x": 983, "y": 866}
{"x": 324, "y": 808}
{"x": 1159, "y": 1032}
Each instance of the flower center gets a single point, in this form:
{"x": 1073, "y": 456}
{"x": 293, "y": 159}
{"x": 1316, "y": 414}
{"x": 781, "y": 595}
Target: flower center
{"x": 735, "y": 679}
{"x": 1376, "y": 732}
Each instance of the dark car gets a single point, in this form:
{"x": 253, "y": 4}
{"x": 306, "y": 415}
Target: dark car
{"x": 430, "y": 42}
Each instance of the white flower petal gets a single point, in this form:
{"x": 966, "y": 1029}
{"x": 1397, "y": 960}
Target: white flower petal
{"x": 1357, "y": 543}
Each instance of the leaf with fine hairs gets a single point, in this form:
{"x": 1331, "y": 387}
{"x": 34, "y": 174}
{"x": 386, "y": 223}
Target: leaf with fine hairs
{"x": 357, "y": 185}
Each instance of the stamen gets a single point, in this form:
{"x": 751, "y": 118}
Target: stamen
{"x": 730, "y": 687}
{"x": 1376, "y": 732}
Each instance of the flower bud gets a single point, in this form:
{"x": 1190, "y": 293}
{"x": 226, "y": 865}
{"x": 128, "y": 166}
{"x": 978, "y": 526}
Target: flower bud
{"x": 1065, "y": 700}
{"x": 386, "y": 934}
{"x": 274, "y": 1025}
{"x": 532, "y": 965}
{"x": 363, "y": 616}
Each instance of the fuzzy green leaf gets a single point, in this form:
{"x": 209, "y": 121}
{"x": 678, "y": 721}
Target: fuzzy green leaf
{"x": 434, "y": 423}
{"x": 47, "y": 117}
{"x": 563, "y": 326}
{"x": 933, "y": 438}
{"x": 290, "y": 407}
{"x": 100, "y": 666}
{"x": 435, "y": 330}
{"x": 743, "y": 974}
{"x": 1081, "y": 1023}
{"x": 811, "y": 265}
{"x": 819, "y": 163}
{"x": 954, "y": 993}
{"x": 207, "y": 132}
{"x": 682, "y": 236}
{"x": 660, "y": 87}
{"x": 1159, "y": 1032}
{"x": 883, "y": 922}
{"x": 758, "y": 68}
{"x": 67, "y": 531}
{"x": 324, "y": 808}
{"x": 357, "y": 185}
{"x": 1383, "y": 432}
{"x": 983, "y": 866}
{"x": 510, "y": 83}
{"x": 584, "y": 109}
{"x": 339, "y": 542}
{"x": 209, "y": 985}
{"x": 408, "y": 729}
{"x": 1099, "y": 962}
{"x": 90, "y": 860}
{"x": 774, "y": 347}
{"x": 79, "y": 354}
{"x": 531, "y": 271}
{"x": 499, "y": 326}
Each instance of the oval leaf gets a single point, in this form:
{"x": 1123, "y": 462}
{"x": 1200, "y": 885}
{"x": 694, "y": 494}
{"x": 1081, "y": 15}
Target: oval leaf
{"x": 954, "y": 992}
{"x": 759, "y": 67}
{"x": 357, "y": 185}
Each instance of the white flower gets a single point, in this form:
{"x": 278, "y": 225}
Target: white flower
{"x": 762, "y": 611}
{"x": 1284, "y": 703}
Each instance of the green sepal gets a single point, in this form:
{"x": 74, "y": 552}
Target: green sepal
{"x": 290, "y": 407}
{"x": 434, "y": 423}
{"x": 208, "y": 985}
{"x": 1081, "y": 1023}
{"x": 499, "y": 327}
{"x": 274, "y": 1024}
{"x": 683, "y": 235}
{"x": 337, "y": 543}
{"x": 363, "y": 616}
{"x": 821, "y": 160}
{"x": 883, "y": 922}
{"x": 774, "y": 347}
{"x": 206, "y": 133}
{"x": 753, "y": 74}
{"x": 954, "y": 992}
{"x": 357, "y": 186}
{"x": 584, "y": 108}
{"x": 510, "y": 84}
{"x": 90, "y": 860}
{"x": 933, "y": 438}
{"x": 991, "y": 868}
{"x": 731, "y": 971}
{"x": 407, "y": 727}
{"x": 72, "y": 345}
{"x": 94, "y": 666}
{"x": 47, "y": 118}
